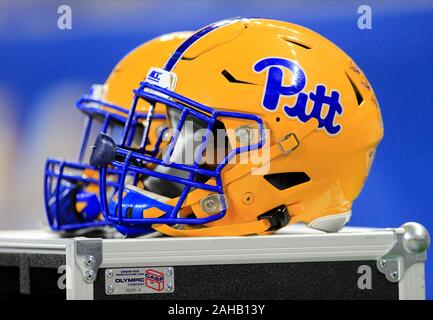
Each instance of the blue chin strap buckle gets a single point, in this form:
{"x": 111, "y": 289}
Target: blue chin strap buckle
{"x": 133, "y": 203}
{"x": 92, "y": 207}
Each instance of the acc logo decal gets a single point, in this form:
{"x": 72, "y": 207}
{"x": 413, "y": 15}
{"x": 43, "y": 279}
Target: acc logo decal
{"x": 275, "y": 88}
{"x": 161, "y": 78}
{"x": 155, "y": 75}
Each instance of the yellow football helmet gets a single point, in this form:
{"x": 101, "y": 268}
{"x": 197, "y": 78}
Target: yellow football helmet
{"x": 71, "y": 187}
{"x": 300, "y": 121}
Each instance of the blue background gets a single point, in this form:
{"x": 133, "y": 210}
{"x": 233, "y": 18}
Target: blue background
{"x": 396, "y": 55}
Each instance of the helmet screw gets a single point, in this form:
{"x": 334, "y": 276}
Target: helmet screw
{"x": 89, "y": 261}
{"x": 244, "y": 135}
{"x": 382, "y": 263}
{"x": 167, "y": 135}
{"x": 248, "y": 198}
{"x": 169, "y": 287}
{"x": 394, "y": 275}
{"x": 211, "y": 204}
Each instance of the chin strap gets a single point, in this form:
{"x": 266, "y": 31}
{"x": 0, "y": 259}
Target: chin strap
{"x": 243, "y": 229}
{"x": 271, "y": 220}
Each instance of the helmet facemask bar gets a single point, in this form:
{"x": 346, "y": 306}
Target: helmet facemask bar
{"x": 186, "y": 108}
{"x": 67, "y": 180}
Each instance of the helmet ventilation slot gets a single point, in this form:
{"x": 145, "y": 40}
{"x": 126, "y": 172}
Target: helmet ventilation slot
{"x": 358, "y": 95}
{"x": 232, "y": 79}
{"x": 297, "y": 43}
{"x": 285, "y": 180}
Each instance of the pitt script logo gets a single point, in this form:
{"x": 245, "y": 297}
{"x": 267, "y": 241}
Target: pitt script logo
{"x": 275, "y": 88}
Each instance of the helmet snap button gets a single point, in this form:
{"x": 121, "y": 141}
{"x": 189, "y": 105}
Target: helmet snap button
{"x": 248, "y": 198}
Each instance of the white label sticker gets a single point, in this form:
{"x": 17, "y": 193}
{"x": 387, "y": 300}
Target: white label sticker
{"x": 98, "y": 91}
{"x": 161, "y": 78}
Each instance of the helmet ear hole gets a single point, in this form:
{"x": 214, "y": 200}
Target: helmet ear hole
{"x": 285, "y": 180}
